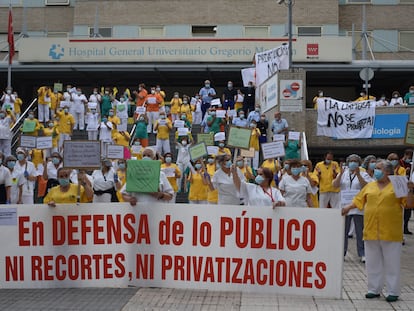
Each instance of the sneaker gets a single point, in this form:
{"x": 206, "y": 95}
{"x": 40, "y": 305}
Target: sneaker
{"x": 391, "y": 298}
{"x": 372, "y": 295}
{"x": 406, "y": 231}
{"x": 363, "y": 259}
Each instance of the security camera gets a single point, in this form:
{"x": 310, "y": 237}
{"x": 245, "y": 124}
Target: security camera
{"x": 280, "y": 1}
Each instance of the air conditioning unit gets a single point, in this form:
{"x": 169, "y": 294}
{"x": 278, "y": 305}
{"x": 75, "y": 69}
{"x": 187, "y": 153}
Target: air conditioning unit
{"x": 57, "y": 2}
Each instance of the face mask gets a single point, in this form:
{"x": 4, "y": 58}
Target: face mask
{"x": 63, "y": 181}
{"x": 252, "y": 125}
{"x": 95, "y": 93}
{"x": 411, "y": 91}
{"x": 2, "y": 115}
{"x": 320, "y": 94}
{"x": 327, "y": 161}
{"x": 394, "y": 163}
{"x": 296, "y": 171}
{"x": 175, "y": 96}
{"x": 104, "y": 120}
{"x": 51, "y": 124}
{"x": 137, "y": 143}
{"x": 212, "y": 113}
{"x": 11, "y": 164}
{"x": 407, "y": 161}
{"x": 229, "y": 85}
{"x": 183, "y": 117}
{"x": 286, "y": 166}
{"x": 185, "y": 102}
{"x": 146, "y": 158}
{"x": 168, "y": 159}
{"x": 221, "y": 145}
{"x": 158, "y": 89}
{"x": 122, "y": 99}
{"x": 395, "y": 96}
{"x": 207, "y": 85}
{"x": 79, "y": 93}
{"x": 9, "y": 92}
{"x": 162, "y": 116}
{"x": 361, "y": 94}
{"x": 242, "y": 116}
{"x": 20, "y": 156}
{"x": 68, "y": 89}
{"x": 141, "y": 119}
{"x": 210, "y": 160}
{"x": 228, "y": 164}
{"x": 66, "y": 110}
{"x": 371, "y": 166}
{"x": 111, "y": 114}
{"x": 93, "y": 111}
{"x": 353, "y": 165}
{"x": 259, "y": 179}
{"x": 107, "y": 163}
{"x": 257, "y": 109}
{"x": 184, "y": 143}
{"x": 152, "y": 91}
{"x": 240, "y": 163}
{"x": 31, "y": 116}
{"x": 378, "y": 174}
{"x": 121, "y": 166}
{"x": 106, "y": 93}
{"x": 197, "y": 166}
{"x": 55, "y": 161}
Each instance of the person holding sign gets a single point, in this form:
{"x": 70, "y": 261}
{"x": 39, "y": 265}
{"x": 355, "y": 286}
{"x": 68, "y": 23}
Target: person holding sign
{"x": 260, "y": 193}
{"x": 175, "y": 103}
{"x": 254, "y": 143}
{"x": 223, "y": 181}
{"x": 327, "y": 171}
{"x": 5, "y": 132}
{"x": 65, "y": 126}
{"x": 198, "y": 185}
{"x": 163, "y": 127}
{"x": 172, "y": 171}
{"x": 66, "y": 192}
{"x": 104, "y": 182}
{"x": 279, "y": 125}
{"x": 292, "y": 146}
{"x": 409, "y": 96}
{"x": 31, "y": 125}
{"x": 44, "y": 94}
{"x": 383, "y": 230}
{"x": 51, "y": 130}
{"x": 351, "y": 180}
{"x": 212, "y": 196}
{"x": 29, "y": 172}
{"x": 141, "y": 133}
{"x": 165, "y": 191}
{"x": 152, "y": 103}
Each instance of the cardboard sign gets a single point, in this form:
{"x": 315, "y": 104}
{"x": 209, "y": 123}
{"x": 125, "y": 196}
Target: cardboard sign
{"x": 239, "y": 137}
{"x": 28, "y": 126}
{"x": 179, "y": 123}
{"x": 198, "y": 151}
{"x": 279, "y": 137}
{"x": 273, "y": 150}
{"x": 221, "y": 114}
{"x": 82, "y": 154}
{"x": 182, "y": 131}
{"x": 28, "y": 141}
{"x": 215, "y": 102}
{"x": 169, "y": 171}
{"x": 207, "y": 138}
{"x": 140, "y": 110}
{"x": 44, "y": 142}
{"x": 232, "y": 113}
{"x": 399, "y": 183}
{"x": 213, "y": 150}
{"x": 143, "y": 176}
{"x": 247, "y": 153}
{"x": 115, "y": 152}
{"x": 409, "y": 134}
{"x": 57, "y": 87}
{"x": 64, "y": 104}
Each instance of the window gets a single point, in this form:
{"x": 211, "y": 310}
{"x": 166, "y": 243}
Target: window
{"x": 256, "y": 31}
{"x": 359, "y": 1}
{"x": 358, "y": 40}
{"x": 406, "y": 1}
{"x": 57, "y": 2}
{"x": 406, "y": 40}
{"x": 309, "y": 31}
{"x": 105, "y": 32}
{"x": 152, "y": 31}
{"x": 204, "y": 31}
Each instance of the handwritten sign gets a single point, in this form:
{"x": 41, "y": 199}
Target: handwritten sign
{"x": 82, "y": 154}
{"x": 273, "y": 150}
{"x": 213, "y": 150}
{"x": 399, "y": 184}
{"x": 198, "y": 151}
{"x": 115, "y": 152}
{"x": 239, "y": 137}
{"x": 28, "y": 141}
{"x": 221, "y": 114}
{"x": 140, "y": 110}
{"x": 279, "y": 137}
{"x": 215, "y": 102}
{"x": 247, "y": 153}
{"x": 207, "y": 138}
{"x": 64, "y": 104}
{"x": 409, "y": 134}
{"x": 293, "y": 135}
{"x": 182, "y": 131}
{"x": 143, "y": 176}
{"x": 28, "y": 126}
{"x": 232, "y": 113}
{"x": 57, "y": 87}
{"x": 44, "y": 142}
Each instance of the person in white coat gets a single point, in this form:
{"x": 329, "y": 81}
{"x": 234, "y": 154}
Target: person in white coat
{"x": 78, "y": 109}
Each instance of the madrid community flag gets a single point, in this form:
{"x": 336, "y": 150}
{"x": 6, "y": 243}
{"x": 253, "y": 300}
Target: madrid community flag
{"x": 10, "y": 36}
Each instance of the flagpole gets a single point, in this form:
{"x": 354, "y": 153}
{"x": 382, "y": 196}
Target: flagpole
{"x": 10, "y": 39}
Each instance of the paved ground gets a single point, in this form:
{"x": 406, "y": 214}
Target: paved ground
{"x": 146, "y": 299}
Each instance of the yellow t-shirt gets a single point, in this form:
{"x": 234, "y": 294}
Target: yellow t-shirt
{"x": 163, "y": 131}
{"x": 383, "y": 212}
{"x": 224, "y": 151}
{"x": 54, "y": 132}
{"x": 198, "y": 190}
{"x": 173, "y": 179}
{"x": 400, "y": 171}
{"x": 115, "y": 122}
{"x": 37, "y": 156}
{"x": 314, "y": 197}
{"x": 70, "y": 196}
{"x": 121, "y": 140}
{"x": 175, "y": 105}
{"x": 66, "y": 123}
{"x": 327, "y": 176}
{"x": 187, "y": 110}
{"x": 122, "y": 179}
{"x": 212, "y": 196}
{"x": 254, "y": 140}
{"x": 18, "y": 105}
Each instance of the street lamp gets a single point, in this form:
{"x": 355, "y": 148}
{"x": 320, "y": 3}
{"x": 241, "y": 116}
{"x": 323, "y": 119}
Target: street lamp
{"x": 289, "y": 4}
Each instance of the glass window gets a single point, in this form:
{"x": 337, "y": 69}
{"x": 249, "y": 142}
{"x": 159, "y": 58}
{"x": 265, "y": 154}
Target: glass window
{"x": 204, "y": 31}
{"x": 151, "y": 31}
{"x": 306, "y": 31}
{"x": 256, "y": 31}
{"x": 406, "y": 40}
{"x": 105, "y": 32}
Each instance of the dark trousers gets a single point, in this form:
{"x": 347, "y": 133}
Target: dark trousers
{"x": 407, "y": 216}
{"x": 359, "y": 228}
{"x": 204, "y": 108}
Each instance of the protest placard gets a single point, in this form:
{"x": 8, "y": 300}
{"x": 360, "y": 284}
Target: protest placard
{"x": 44, "y": 142}
{"x": 409, "y": 134}
{"x": 179, "y": 123}
{"x": 212, "y": 150}
{"x": 293, "y": 135}
{"x": 279, "y": 137}
{"x": 215, "y": 102}
{"x": 207, "y": 138}
{"x": 140, "y": 110}
{"x": 198, "y": 151}
{"x": 239, "y": 137}
{"x": 82, "y": 154}
{"x": 28, "y": 126}
{"x": 247, "y": 153}
{"x": 221, "y": 114}
{"x": 143, "y": 176}
{"x": 114, "y": 152}
{"x": 273, "y": 150}
{"x": 182, "y": 131}
{"x": 28, "y": 141}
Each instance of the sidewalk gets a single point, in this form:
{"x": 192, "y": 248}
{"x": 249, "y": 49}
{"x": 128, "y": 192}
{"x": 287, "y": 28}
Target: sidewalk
{"x": 140, "y": 299}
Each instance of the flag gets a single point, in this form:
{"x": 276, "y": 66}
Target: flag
{"x": 10, "y": 37}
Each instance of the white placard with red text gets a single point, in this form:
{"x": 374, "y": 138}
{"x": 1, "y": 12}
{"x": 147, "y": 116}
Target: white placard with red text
{"x": 227, "y": 248}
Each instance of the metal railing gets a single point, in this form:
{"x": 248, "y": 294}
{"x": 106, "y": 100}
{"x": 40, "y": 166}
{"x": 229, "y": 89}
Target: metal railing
{"x": 16, "y": 133}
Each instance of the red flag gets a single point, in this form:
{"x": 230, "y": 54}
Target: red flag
{"x": 10, "y": 37}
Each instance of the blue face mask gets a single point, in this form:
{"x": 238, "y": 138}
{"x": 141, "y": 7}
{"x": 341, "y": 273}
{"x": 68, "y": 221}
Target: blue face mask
{"x": 168, "y": 159}
{"x": 210, "y": 160}
{"x": 371, "y": 165}
{"x": 240, "y": 163}
{"x": 55, "y": 161}
{"x": 378, "y": 174}
{"x": 121, "y": 166}
{"x": 11, "y": 164}
{"x": 296, "y": 171}
{"x": 20, "y": 156}
{"x": 197, "y": 166}
{"x": 394, "y": 163}
{"x": 63, "y": 181}
{"x": 407, "y": 161}
{"x": 228, "y": 164}
{"x": 353, "y": 165}
{"x": 259, "y": 179}
{"x": 146, "y": 158}
{"x": 286, "y": 166}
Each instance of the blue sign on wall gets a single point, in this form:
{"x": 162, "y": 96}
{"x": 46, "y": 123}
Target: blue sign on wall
{"x": 390, "y": 125}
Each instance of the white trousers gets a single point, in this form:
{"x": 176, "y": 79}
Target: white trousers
{"x": 43, "y": 112}
{"x": 62, "y": 138}
{"x": 5, "y": 146}
{"x": 103, "y": 198}
{"x": 383, "y": 261}
{"x": 79, "y": 120}
{"x": 152, "y": 117}
{"x": 122, "y": 127}
{"x": 330, "y": 197}
{"x": 93, "y": 135}
{"x": 163, "y": 146}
